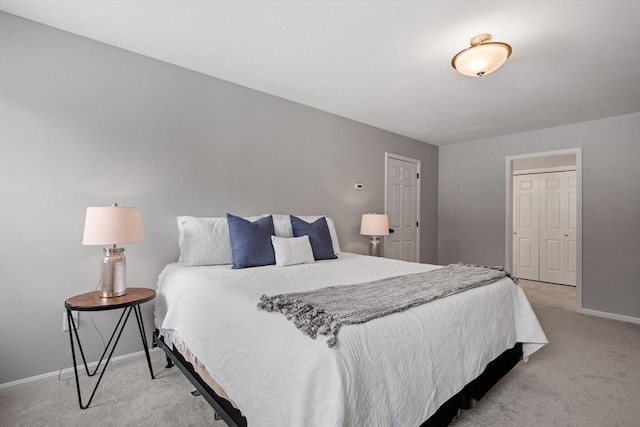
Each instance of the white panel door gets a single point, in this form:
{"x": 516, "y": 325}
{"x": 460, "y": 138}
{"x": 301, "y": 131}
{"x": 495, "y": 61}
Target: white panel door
{"x": 552, "y": 227}
{"x": 402, "y": 209}
{"x": 526, "y": 226}
{"x": 570, "y": 231}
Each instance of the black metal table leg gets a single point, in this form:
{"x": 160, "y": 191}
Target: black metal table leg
{"x": 143, "y": 335}
{"x": 72, "y": 327}
{"x": 95, "y": 301}
{"x": 84, "y": 361}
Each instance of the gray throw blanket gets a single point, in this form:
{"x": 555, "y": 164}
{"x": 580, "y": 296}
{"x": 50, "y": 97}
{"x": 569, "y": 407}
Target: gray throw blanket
{"x": 323, "y": 311}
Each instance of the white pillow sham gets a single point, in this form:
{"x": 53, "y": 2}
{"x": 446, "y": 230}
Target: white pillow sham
{"x": 292, "y": 250}
{"x": 206, "y": 241}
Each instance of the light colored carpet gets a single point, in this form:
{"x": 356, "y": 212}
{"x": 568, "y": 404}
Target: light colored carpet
{"x": 589, "y": 375}
{"x": 550, "y": 294}
{"x": 127, "y": 396}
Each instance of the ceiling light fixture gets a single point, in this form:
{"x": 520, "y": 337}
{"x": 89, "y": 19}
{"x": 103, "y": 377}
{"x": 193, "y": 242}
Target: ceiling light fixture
{"x": 482, "y": 58}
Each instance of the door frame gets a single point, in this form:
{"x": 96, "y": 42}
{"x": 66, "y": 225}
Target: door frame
{"x": 509, "y": 211}
{"x": 418, "y": 163}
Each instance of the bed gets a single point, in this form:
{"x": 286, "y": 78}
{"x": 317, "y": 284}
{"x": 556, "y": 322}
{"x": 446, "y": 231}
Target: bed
{"x": 402, "y": 369}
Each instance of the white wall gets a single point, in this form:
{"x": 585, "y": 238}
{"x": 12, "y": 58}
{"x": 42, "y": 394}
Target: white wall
{"x": 471, "y": 214}
{"x": 86, "y": 124}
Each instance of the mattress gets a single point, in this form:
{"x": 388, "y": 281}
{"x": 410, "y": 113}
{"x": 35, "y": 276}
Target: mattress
{"x": 394, "y": 370}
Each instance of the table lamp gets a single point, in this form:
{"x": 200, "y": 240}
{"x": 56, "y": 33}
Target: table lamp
{"x": 374, "y": 225}
{"x": 111, "y": 226}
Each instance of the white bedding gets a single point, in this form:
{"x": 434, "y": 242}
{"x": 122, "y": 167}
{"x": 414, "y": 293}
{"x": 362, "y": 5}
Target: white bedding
{"x": 392, "y": 371}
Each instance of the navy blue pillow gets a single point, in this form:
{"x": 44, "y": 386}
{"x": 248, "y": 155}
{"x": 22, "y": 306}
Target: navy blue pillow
{"x": 319, "y": 236}
{"x": 251, "y": 241}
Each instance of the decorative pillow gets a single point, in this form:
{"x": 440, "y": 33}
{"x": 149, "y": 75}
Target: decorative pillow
{"x": 292, "y": 250}
{"x": 288, "y": 231}
{"x": 319, "y": 236}
{"x": 205, "y": 241}
{"x": 251, "y": 241}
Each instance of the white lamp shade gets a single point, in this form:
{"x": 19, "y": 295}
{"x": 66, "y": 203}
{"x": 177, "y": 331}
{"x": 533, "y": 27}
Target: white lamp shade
{"x": 374, "y": 225}
{"x": 112, "y": 225}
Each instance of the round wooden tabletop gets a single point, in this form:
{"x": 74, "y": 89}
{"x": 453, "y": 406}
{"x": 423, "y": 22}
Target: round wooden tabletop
{"x": 93, "y": 301}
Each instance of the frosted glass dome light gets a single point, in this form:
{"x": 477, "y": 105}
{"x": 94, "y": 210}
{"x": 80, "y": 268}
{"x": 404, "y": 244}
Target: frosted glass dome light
{"x": 482, "y": 58}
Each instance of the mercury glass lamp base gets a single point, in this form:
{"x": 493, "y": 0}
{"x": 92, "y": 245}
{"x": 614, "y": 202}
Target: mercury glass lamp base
{"x": 374, "y": 246}
{"x": 114, "y": 272}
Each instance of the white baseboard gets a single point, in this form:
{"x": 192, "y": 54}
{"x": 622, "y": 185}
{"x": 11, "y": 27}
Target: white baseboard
{"x": 612, "y": 316}
{"x": 67, "y": 373}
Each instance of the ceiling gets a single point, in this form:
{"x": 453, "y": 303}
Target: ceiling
{"x": 387, "y": 63}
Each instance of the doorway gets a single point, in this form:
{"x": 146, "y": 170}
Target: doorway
{"x": 402, "y": 206}
{"x": 543, "y": 236}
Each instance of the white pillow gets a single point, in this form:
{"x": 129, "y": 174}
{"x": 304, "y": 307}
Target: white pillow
{"x": 292, "y": 250}
{"x": 282, "y": 225}
{"x": 205, "y": 241}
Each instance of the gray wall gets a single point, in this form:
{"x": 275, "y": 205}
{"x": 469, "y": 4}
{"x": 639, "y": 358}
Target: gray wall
{"x": 86, "y": 124}
{"x": 471, "y": 216}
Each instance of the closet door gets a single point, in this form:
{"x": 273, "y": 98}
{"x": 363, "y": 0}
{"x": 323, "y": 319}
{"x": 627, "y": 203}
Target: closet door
{"x": 553, "y": 214}
{"x": 526, "y": 226}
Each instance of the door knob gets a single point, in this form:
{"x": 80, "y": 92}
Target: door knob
{"x": 566, "y": 235}
{"x": 391, "y": 230}
{"x": 514, "y": 232}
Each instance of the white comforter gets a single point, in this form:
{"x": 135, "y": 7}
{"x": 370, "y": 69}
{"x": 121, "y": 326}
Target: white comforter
{"x": 392, "y": 371}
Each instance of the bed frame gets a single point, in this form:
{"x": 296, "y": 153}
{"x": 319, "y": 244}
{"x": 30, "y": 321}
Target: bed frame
{"x": 464, "y": 399}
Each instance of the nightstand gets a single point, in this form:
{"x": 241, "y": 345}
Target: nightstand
{"x": 93, "y": 301}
